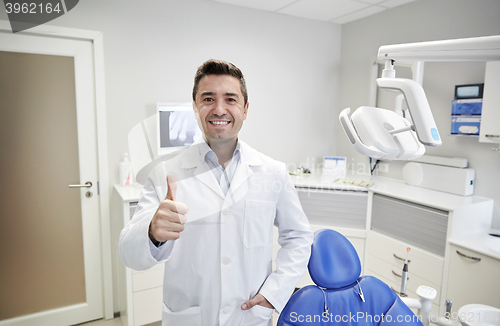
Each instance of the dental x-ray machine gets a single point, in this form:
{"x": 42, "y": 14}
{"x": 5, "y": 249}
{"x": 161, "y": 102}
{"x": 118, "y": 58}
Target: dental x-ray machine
{"x": 383, "y": 134}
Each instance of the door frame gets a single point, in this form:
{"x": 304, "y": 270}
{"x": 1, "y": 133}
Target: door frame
{"x": 96, "y": 38}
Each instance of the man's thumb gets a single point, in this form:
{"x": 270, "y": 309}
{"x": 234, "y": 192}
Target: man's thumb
{"x": 249, "y": 304}
{"x": 171, "y": 187}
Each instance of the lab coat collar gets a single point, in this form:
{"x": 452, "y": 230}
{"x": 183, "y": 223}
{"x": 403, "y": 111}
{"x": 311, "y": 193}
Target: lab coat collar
{"x": 195, "y": 155}
{"x": 195, "y": 158}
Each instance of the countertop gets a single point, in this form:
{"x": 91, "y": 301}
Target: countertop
{"x": 480, "y": 242}
{"x": 390, "y": 187}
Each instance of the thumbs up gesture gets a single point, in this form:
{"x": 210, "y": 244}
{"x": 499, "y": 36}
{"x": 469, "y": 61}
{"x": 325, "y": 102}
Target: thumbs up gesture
{"x": 168, "y": 221}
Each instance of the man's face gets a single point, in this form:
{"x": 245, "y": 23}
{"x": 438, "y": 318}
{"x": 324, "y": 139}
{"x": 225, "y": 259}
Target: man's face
{"x": 220, "y": 108}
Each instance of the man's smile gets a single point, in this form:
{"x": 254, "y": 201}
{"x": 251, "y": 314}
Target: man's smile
{"x": 219, "y": 122}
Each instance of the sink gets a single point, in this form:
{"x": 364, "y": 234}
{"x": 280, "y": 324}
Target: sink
{"x": 479, "y": 315}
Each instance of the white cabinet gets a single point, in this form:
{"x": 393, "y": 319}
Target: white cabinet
{"x": 402, "y": 216}
{"x": 473, "y": 278}
{"x": 385, "y": 260}
{"x": 397, "y": 225}
{"x": 342, "y": 211}
{"x": 139, "y": 294}
{"x": 490, "y": 116}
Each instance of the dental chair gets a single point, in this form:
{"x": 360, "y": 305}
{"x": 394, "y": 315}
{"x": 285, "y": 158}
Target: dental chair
{"x": 341, "y": 296}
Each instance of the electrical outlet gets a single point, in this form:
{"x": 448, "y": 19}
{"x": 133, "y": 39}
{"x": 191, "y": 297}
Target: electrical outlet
{"x": 383, "y": 167}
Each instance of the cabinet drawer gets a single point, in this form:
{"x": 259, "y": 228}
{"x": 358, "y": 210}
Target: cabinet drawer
{"x": 410, "y": 294}
{"x": 393, "y": 275}
{"x": 427, "y": 266}
{"x": 148, "y": 306}
{"x": 147, "y": 279}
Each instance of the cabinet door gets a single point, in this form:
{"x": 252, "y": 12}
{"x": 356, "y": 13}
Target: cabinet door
{"x": 490, "y": 115}
{"x": 333, "y": 208}
{"x": 471, "y": 280}
{"x": 417, "y": 225}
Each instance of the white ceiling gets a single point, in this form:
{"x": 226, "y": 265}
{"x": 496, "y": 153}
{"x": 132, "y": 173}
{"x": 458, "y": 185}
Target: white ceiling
{"x": 335, "y": 11}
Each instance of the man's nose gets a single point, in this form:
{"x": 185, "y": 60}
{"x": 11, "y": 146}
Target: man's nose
{"x": 220, "y": 108}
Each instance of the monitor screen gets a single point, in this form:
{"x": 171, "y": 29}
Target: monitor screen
{"x": 177, "y": 126}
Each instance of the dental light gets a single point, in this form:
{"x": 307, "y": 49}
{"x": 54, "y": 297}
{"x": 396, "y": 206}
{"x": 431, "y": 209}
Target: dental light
{"x": 383, "y": 134}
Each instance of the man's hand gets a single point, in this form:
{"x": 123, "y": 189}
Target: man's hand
{"x": 168, "y": 221}
{"x": 257, "y": 300}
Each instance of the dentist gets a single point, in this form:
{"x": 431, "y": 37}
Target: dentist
{"x": 208, "y": 214}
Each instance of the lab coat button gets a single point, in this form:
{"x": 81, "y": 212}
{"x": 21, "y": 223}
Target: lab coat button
{"x": 226, "y": 261}
{"x": 226, "y": 310}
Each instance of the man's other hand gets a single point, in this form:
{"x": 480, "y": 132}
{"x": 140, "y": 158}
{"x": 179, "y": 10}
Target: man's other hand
{"x": 257, "y": 300}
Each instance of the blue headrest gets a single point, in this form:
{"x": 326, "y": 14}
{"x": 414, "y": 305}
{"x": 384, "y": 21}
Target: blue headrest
{"x": 334, "y": 262}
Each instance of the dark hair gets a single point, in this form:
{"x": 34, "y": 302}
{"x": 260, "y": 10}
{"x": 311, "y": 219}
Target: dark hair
{"x": 219, "y": 67}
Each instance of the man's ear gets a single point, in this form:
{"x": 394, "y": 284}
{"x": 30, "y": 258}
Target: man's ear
{"x": 245, "y": 110}
{"x": 195, "y": 109}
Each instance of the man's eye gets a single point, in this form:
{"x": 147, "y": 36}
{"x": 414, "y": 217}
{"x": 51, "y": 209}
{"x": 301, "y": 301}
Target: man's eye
{"x": 208, "y": 99}
{"x": 231, "y": 99}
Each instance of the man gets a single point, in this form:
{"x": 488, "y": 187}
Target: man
{"x": 209, "y": 212}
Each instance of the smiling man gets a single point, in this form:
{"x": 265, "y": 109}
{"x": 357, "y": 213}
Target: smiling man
{"x": 208, "y": 214}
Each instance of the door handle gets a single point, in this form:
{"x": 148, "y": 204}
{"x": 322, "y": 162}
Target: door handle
{"x": 87, "y": 184}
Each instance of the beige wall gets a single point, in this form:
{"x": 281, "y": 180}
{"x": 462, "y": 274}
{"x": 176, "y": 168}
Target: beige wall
{"x": 425, "y": 20}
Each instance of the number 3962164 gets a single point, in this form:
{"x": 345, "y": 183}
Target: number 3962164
{"x": 32, "y": 8}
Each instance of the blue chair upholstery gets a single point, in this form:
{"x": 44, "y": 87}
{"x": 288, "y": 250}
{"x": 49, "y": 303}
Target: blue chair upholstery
{"x": 341, "y": 295}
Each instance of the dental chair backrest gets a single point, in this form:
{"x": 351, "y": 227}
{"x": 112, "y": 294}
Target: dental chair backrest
{"x": 340, "y": 295}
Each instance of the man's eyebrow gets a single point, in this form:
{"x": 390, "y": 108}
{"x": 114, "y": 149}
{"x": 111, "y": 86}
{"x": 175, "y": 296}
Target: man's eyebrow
{"x": 225, "y": 94}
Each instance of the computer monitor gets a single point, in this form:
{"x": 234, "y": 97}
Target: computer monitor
{"x": 177, "y": 127}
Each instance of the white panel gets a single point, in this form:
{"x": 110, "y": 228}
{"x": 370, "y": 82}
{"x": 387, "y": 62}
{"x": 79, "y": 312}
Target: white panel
{"x": 322, "y": 9}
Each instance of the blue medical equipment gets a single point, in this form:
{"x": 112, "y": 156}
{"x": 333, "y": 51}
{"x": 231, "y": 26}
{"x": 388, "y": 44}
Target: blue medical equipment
{"x": 340, "y": 295}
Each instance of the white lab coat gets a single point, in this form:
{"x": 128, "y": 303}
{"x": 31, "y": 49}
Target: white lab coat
{"x": 223, "y": 256}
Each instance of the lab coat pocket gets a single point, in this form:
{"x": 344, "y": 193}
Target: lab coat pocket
{"x": 257, "y": 316}
{"x": 187, "y": 317}
{"x": 259, "y": 217}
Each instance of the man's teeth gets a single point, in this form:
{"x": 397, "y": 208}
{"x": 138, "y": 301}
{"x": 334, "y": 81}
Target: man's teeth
{"x": 219, "y": 122}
